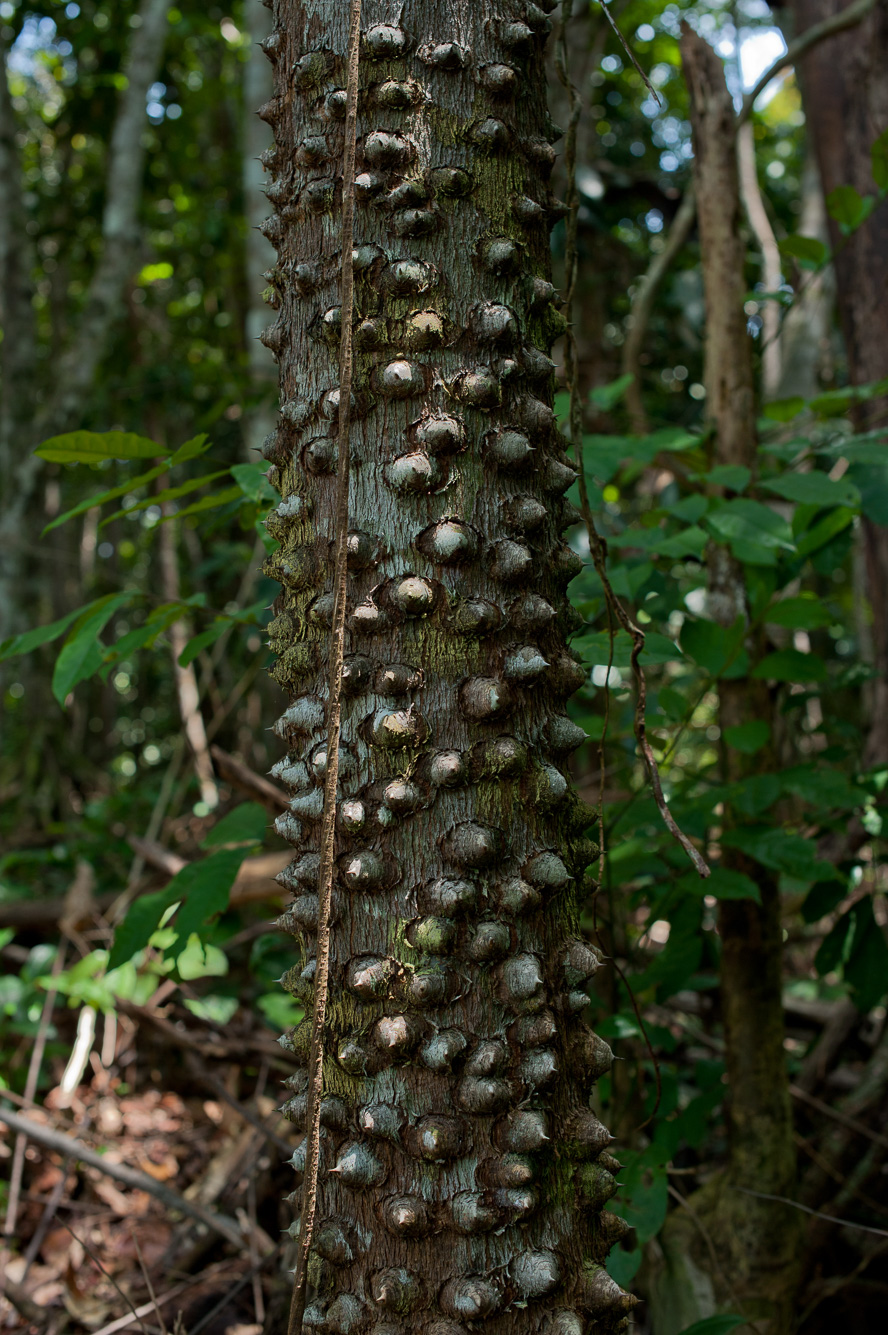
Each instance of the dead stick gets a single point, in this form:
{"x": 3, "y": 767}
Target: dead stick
{"x": 239, "y": 774}
{"x": 130, "y": 1177}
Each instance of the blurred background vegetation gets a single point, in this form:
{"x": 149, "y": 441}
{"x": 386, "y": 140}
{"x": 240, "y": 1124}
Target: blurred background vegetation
{"x": 135, "y": 743}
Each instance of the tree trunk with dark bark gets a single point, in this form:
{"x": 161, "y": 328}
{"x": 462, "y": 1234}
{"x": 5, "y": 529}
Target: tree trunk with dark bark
{"x": 463, "y": 1175}
{"x": 755, "y": 1241}
{"x": 845, "y": 92}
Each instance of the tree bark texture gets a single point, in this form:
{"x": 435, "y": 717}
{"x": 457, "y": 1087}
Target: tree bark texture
{"x": 463, "y": 1174}
{"x": 845, "y": 91}
{"x": 756, "y": 1240}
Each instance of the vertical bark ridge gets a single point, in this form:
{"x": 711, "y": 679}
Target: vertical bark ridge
{"x": 463, "y": 1176}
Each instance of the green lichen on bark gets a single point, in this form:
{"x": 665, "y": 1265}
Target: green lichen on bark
{"x": 457, "y": 1139}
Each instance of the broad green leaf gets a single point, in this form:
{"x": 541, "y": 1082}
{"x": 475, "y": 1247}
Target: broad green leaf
{"x": 246, "y": 824}
{"x": 723, "y": 883}
{"x": 201, "y": 890}
{"x": 748, "y": 737}
{"x": 33, "y": 639}
{"x": 595, "y": 648}
{"x": 735, "y": 477}
{"x": 602, "y": 455}
{"x": 810, "y": 252}
{"x": 806, "y": 612}
{"x": 606, "y": 397}
{"x": 784, "y": 410}
{"x": 644, "y": 1195}
{"x": 833, "y": 948}
{"x": 168, "y": 494}
{"x": 90, "y": 447}
{"x": 866, "y": 966}
{"x": 848, "y": 208}
{"x": 82, "y": 653}
{"x": 741, "y": 521}
{"x": 822, "y": 787}
{"x": 879, "y": 158}
{"x": 813, "y": 489}
{"x": 790, "y": 665}
{"x": 716, "y": 1325}
{"x": 252, "y": 481}
{"x": 198, "y": 643}
{"x": 824, "y": 531}
{"x": 690, "y": 541}
{"x": 780, "y": 850}
{"x": 822, "y": 898}
{"x": 871, "y": 480}
{"x": 690, "y": 508}
{"x": 719, "y": 649}
{"x": 754, "y": 795}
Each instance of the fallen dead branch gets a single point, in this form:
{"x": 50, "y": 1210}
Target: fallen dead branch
{"x": 131, "y": 1177}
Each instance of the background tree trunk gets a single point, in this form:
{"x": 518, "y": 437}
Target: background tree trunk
{"x": 750, "y": 1262}
{"x": 845, "y": 92}
{"x": 462, "y": 1171}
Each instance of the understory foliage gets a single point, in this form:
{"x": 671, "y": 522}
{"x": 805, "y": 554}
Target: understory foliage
{"x": 93, "y": 752}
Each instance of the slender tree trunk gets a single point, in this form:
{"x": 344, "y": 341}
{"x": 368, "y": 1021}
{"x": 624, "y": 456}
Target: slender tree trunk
{"x": 845, "y": 91}
{"x": 755, "y": 1241}
{"x": 462, "y": 1172}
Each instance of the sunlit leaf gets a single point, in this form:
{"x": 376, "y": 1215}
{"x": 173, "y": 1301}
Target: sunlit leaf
{"x": 168, "y": 494}
{"x": 82, "y": 654}
{"x": 90, "y": 447}
{"x": 606, "y": 397}
{"x": 246, "y": 824}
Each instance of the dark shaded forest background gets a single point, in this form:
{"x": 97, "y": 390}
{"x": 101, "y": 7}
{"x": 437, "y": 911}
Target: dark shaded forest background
{"x": 137, "y": 739}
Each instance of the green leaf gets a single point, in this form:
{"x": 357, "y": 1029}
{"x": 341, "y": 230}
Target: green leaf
{"x": 198, "y": 643}
{"x": 606, "y": 397}
{"x": 879, "y": 158}
{"x": 848, "y": 208}
{"x": 866, "y": 967}
{"x": 784, "y": 410}
{"x": 168, "y": 494}
{"x": 623, "y": 1266}
{"x": 748, "y": 737}
{"x": 40, "y": 635}
{"x": 89, "y": 447}
{"x": 780, "y": 850}
{"x": 806, "y": 612}
{"x": 246, "y": 824}
{"x": 723, "y": 883}
{"x": 753, "y": 531}
{"x": 822, "y": 898}
{"x": 814, "y": 489}
{"x": 810, "y": 252}
{"x": 689, "y": 541}
{"x": 722, "y": 1324}
{"x": 735, "y": 477}
{"x": 689, "y": 509}
{"x": 201, "y": 889}
{"x": 82, "y": 653}
{"x": 824, "y": 531}
{"x": 252, "y": 481}
{"x": 201, "y": 960}
{"x": 871, "y": 480}
{"x": 602, "y": 455}
{"x": 790, "y": 665}
{"x": 595, "y": 648}
{"x": 719, "y": 649}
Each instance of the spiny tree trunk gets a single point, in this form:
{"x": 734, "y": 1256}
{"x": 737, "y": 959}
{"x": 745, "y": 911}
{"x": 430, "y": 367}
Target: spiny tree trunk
{"x": 845, "y": 91}
{"x": 755, "y": 1241}
{"x": 462, "y": 1173}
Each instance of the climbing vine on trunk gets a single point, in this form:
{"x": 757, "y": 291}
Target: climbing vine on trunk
{"x": 462, "y": 1175}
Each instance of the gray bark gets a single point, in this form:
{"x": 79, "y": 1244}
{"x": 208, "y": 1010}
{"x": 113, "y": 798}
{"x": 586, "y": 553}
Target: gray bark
{"x": 463, "y": 1175}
